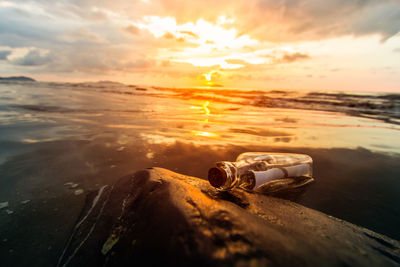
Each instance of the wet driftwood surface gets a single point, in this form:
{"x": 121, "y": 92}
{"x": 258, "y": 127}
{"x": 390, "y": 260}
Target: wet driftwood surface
{"x": 156, "y": 216}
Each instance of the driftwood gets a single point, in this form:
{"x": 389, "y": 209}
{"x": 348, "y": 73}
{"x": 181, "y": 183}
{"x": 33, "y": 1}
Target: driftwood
{"x": 158, "y": 217}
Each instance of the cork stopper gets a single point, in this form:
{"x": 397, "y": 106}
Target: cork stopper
{"x": 217, "y": 176}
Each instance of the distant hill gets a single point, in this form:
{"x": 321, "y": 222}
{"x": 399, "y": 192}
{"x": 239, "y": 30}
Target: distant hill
{"x": 17, "y": 78}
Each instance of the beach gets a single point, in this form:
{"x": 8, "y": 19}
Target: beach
{"x": 62, "y": 141}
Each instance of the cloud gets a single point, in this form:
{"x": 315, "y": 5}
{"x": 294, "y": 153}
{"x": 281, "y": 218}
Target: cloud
{"x": 168, "y": 35}
{"x": 4, "y": 54}
{"x": 289, "y": 58}
{"x": 81, "y": 35}
{"x": 101, "y": 60}
{"x": 379, "y": 18}
{"x": 29, "y": 56}
{"x": 316, "y": 19}
{"x": 273, "y": 20}
{"x": 197, "y": 32}
{"x": 236, "y": 61}
{"x": 131, "y": 29}
{"x": 189, "y": 33}
{"x": 264, "y": 19}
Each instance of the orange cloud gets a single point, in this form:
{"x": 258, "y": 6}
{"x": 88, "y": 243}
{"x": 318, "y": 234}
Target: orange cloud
{"x": 192, "y": 34}
{"x": 132, "y": 30}
{"x": 168, "y": 35}
{"x": 289, "y": 58}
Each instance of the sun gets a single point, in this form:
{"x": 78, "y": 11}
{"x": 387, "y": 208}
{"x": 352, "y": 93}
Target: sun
{"x": 209, "y": 79}
{"x": 208, "y": 76}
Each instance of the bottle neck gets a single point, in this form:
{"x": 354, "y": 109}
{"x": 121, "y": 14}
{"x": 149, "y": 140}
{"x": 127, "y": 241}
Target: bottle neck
{"x": 223, "y": 176}
{"x": 226, "y": 175}
{"x": 217, "y": 177}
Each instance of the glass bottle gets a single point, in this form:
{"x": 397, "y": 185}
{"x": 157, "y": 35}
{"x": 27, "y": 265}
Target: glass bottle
{"x": 253, "y": 169}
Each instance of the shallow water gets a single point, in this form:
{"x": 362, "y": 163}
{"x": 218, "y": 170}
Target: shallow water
{"x": 90, "y": 134}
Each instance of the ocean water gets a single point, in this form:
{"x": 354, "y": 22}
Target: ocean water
{"x": 61, "y": 141}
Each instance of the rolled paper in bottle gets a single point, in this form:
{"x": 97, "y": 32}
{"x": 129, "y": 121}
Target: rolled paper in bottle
{"x": 299, "y": 170}
{"x": 262, "y": 177}
{"x": 269, "y": 175}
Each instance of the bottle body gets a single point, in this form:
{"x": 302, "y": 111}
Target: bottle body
{"x": 253, "y": 169}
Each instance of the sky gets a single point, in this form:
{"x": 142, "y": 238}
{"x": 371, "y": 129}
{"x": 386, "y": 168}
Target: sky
{"x": 339, "y": 45}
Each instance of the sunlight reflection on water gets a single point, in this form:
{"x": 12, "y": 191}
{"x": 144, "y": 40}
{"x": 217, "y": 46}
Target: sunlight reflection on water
{"x": 223, "y": 116}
